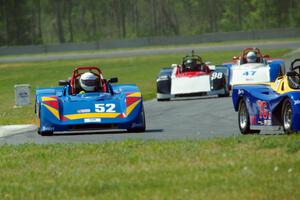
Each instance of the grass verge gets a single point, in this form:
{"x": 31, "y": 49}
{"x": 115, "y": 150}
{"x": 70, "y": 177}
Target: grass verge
{"x": 245, "y": 167}
{"x": 139, "y": 70}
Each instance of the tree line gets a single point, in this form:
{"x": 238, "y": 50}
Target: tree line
{"x": 25, "y": 22}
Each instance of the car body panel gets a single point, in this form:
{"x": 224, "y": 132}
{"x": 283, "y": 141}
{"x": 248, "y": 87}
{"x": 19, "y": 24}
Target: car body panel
{"x": 264, "y": 102}
{"x": 194, "y": 84}
{"x": 249, "y": 73}
{"x": 265, "y": 70}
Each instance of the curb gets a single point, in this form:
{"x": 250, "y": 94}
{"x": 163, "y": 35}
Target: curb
{"x": 16, "y": 129}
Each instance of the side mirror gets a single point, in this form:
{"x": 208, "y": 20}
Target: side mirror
{"x": 113, "y": 80}
{"x": 291, "y": 73}
{"x": 63, "y": 82}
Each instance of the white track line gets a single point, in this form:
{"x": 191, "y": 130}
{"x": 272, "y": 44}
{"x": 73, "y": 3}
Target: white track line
{"x": 15, "y": 129}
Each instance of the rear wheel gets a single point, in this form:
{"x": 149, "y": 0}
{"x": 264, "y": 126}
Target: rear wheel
{"x": 287, "y": 113}
{"x": 163, "y": 97}
{"x": 141, "y": 128}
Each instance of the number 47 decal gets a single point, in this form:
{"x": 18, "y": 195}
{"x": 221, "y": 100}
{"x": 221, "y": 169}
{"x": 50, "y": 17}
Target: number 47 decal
{"x": 101, "y": 108}
{"x": 249, "y": 73}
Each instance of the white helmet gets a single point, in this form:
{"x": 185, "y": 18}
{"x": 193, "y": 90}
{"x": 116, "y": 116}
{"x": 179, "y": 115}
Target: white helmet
{"x": 251, "y": 57}
{"x": 88, "y": 81}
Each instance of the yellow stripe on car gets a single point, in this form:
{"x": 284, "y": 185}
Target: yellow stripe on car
{"x": 131, "y": 107}
{"x": 92, "y": 115}
{"x": 135, "y": 94}
{"x": 48, "y": 99}
{"x": 52, "y": 110}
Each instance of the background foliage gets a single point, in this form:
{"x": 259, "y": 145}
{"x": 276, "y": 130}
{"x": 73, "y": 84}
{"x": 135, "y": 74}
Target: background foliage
{"x": 25, "y": 22}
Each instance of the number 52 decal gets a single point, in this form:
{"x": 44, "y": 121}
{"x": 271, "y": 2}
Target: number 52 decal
{"x": 109, "y": 108}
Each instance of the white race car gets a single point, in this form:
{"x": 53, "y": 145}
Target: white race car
{"x": 264, "y": 69}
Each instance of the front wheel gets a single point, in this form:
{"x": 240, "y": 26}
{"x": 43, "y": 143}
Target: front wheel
{"x": 227, "y": 94}
{"x": 141, "y": 128}
{"x": 244, "y": 122}
{"x": 287, "y": 113}
{"x": 42, "y": 133}
{"x": 45, "y": 133}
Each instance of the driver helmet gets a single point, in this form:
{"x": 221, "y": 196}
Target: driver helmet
{"x": 190, "y": 64}
{"x": 88, "y": 81}
{"x": 251, "y": 57}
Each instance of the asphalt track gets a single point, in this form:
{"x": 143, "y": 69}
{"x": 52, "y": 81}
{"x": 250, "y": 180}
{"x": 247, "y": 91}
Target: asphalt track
{"x": 149, "y": 51}
{"x": 192, "y": 118}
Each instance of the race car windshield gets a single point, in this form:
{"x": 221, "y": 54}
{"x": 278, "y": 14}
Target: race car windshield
{"x": 192, "y": 65}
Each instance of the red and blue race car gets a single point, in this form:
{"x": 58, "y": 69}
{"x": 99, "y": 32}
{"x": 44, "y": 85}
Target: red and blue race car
{"x": 111, "y": 106}
{"x": 269, "y": 104}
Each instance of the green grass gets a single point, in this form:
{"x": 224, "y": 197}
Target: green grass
{"x": 245, "y": 167}
{"x": 139, "y": 70}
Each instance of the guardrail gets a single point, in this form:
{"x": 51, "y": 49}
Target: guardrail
{"x": 152, "y": 41}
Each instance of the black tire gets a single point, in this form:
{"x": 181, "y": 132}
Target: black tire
{"x": 243, "y": 118}
{"x": 286, "y": 115}
{"x": 140, "y": 129}
{"x": 45, "y": 133}
{"x": 227, "y": 94}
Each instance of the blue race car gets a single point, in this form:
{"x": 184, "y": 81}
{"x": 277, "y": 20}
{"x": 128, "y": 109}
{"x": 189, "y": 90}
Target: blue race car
{"x": 112, "y": 106}
{"x": 270, "y": 104}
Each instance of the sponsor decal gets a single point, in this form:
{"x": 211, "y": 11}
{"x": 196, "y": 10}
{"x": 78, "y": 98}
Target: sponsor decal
{"x": 23, "y": 94}
{"x": 84, "y": 111}
{"x": 296, "y": 102}
{"x": 240, "y": 91}
{"x": 265, "y": 115}
{"x": 92, "y": 120}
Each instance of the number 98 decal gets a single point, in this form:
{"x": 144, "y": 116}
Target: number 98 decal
{"x": 108, "y": 108}
{"x": 216, "y": 75}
